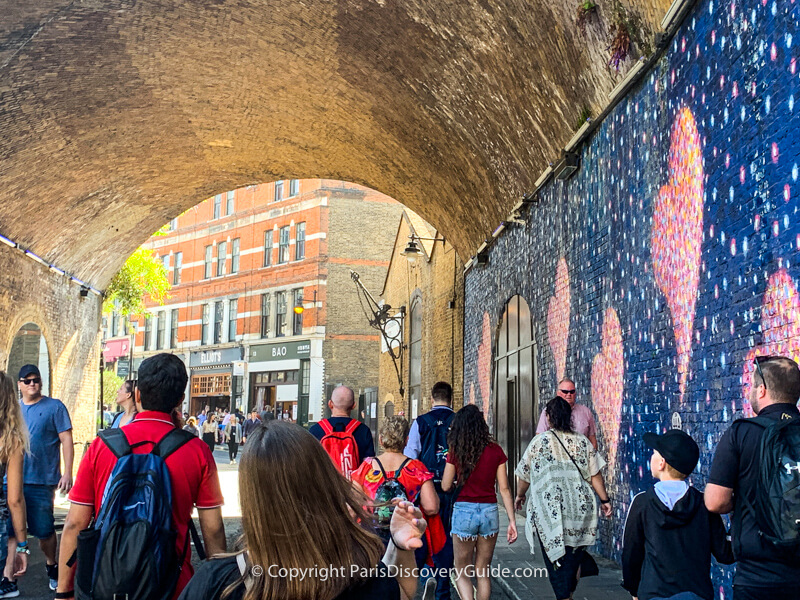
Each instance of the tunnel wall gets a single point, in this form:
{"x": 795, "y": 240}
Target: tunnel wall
{"x": 30, "y": 292}
{"x": 670, "y": 258}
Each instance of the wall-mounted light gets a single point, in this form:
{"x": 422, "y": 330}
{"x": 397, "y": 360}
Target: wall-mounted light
{"x": 84, "y": 291}
{"x": 298, "y": 310}
{"x": 412, "y": 250}
{"x": 566, "y": 165}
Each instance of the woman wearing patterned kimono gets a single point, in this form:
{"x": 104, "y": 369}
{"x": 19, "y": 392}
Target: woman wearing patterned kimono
{"x": 561, "y": 468}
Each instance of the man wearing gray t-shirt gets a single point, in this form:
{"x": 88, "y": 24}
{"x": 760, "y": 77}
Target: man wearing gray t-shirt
{"x": 50, "y": 431}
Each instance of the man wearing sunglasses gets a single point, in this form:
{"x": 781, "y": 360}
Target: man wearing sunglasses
{"x": 50, "y": 431}
{"x": 582, "y": 417}
{"x": 762, "y": 571}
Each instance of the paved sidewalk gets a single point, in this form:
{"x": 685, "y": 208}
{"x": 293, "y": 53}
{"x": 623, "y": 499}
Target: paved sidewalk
{"x": 605, "y": 586}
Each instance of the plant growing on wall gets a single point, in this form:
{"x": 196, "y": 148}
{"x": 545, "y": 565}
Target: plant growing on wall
{"x": 586, "y": 114}
{"x": 142, "y": 276}
{"x": 585, "y": 11}
{"x": 628, "y": 32}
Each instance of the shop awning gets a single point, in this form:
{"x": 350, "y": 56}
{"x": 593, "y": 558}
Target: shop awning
{"x": 115, "y": 349}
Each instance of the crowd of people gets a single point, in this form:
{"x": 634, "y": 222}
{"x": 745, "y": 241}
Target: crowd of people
{"x": 326, "y": 516}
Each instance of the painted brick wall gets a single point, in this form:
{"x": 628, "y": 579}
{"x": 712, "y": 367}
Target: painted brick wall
{"x": 669, "y": 260}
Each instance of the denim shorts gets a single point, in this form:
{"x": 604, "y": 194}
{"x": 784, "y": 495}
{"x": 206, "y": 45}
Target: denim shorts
{"x": 473, "y": 519}
{"x": 39, "y": 501}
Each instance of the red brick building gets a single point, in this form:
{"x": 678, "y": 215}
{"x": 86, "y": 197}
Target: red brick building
{"x": 240, "y": 263}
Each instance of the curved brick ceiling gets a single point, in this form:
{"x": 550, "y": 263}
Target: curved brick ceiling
{"x": 117, "y": 115}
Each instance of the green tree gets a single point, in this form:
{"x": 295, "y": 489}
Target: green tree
{"x": 111, "y": 383}
{"x": 142, "y": 276}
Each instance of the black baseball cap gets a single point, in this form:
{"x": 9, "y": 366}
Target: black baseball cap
{"x": 677, "y": 447}
{"x": 29, "y": 370}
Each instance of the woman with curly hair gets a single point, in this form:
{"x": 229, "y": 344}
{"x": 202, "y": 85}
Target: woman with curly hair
{"x": 13, "y": 447}
{"x": 477, "y": 463}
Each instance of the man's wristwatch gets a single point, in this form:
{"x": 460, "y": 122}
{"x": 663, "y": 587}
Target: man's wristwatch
{"x": 22, "y": 548}
{"x": 606, "y": 501}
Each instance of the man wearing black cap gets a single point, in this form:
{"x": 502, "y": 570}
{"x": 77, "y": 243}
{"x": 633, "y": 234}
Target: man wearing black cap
{"x": 49, "y": 427}
{"x": 763, "y": 571}
{"x": 669, "y": 534}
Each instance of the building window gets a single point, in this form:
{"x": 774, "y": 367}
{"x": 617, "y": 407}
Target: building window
{"x": 207, "y": 271}
{"x": 114, "y": 323}
{"x": 173, "y": 224}
{"x": 415, "y": 354}
{"x": 176, "y": 269}
{"x": 229, "y": 203}
{"x": 217, "y": 206}
{"x": 235, "y": 256}
{"x": 211, "y": 385}
{"x": 173, "y": 329}
{"x": 283, "y": 245}
{"x": 297, "y": 318}
{"x": 268, "y": 247}
{"x": 165, "y": 262}
{"x": 264, "y": 315}
{"x": 222, "y": 257}
{"x": 294, "y": 187}
{"x": 278, "y": 191}
{"x": 300, "y": 241}
{"x": 206, "y": 322}
{"x": 280, "y": 314}
{"x": 218, "y": 313}
{"x": 161, "y": 330}
{"x": 233, "y": 306}
{"x": 148, "y": 330}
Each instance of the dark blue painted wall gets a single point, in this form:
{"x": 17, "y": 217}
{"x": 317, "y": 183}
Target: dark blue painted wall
{"x": 732, "y": 70}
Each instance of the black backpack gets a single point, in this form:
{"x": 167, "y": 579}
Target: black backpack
{"x": 776, "y": 504}
{"x": 129, "y": 551}
{"x": 433, "y": 430}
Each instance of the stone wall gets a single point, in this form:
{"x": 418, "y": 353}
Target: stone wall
{"x": 670, "y": 259}
{"x": 31, "y": 293}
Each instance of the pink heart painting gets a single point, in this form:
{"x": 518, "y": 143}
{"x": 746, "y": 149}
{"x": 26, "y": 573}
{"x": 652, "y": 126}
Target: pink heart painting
{"x": 485, "y": 364}
{"x": 780, "y": 324}
{"x": 677, "y": 235}
{"x": 558, "y": 319}
{"x": 608, "y": 370}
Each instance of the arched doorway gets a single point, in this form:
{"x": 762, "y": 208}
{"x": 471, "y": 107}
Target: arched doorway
{"x": 30, "y": 348}
{"x": 516, "y": 395}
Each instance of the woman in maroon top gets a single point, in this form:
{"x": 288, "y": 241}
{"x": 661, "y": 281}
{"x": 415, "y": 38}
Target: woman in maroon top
{"x": 477, "y": 463}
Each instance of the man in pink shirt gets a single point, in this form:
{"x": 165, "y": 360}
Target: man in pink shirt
{"x": 582, "y": 417}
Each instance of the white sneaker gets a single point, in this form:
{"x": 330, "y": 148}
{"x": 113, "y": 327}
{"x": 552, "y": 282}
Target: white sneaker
{"x": 429, "y": 593}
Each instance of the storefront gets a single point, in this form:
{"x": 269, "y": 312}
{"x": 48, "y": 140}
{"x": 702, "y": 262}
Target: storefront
{"x": 212, "y": 380}
{"x": 280, "y": 376}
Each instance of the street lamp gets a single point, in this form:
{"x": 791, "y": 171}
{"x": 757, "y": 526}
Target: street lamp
{"x": 412, "y": 250}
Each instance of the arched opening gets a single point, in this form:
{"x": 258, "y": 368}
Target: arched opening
{"x": 30, "y": 348}
{"x": 516, "y": 395}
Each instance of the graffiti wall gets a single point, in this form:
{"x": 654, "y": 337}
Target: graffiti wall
{"x": 657, "y": 272}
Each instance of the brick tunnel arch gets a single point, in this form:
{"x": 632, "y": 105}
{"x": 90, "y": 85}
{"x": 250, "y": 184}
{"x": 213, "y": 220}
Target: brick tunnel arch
{"x": 119, "y": 115}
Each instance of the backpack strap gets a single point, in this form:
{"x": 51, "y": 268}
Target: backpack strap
{"x": 401, "y": 467}
{"x": 380, "y": 466}
{"x": 116, "y": 441}
{"x": 326, "y": 426}
{"x": 171, "y": 442}
{"x": 352, "y": 426}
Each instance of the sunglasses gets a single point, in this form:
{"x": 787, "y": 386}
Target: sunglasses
{"x": 762, "y": 359}
{"x": 34, "y": 381}
{"x": 567, "y": 391}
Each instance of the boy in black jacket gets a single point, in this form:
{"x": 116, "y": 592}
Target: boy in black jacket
{"x": 669, "y": 535}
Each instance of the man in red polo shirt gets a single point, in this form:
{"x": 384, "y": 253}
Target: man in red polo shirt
{"x": 193, "y": 472}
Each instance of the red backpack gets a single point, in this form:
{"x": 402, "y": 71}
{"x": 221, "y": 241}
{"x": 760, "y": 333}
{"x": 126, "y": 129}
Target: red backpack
{"x": 341, "y": 446}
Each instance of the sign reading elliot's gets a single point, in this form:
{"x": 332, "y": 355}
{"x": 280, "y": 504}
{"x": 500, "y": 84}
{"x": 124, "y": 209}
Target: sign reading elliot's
{"x": 215, "y": 357}
{"x": 284, "y": 351}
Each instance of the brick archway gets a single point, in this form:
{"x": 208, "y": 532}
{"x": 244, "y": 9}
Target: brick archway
{"x": 118, "y": 115}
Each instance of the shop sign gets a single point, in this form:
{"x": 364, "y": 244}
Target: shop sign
{"x": 215, "y": 357}
{"x": 284, "y": 351}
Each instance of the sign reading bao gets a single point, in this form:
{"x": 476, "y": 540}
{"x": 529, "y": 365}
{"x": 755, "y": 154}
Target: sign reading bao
{"x": 287, "y": 350}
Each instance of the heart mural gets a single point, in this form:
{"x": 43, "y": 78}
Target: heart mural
{"x": 677, "y": 235}
{"x": 780, "y": 325}
{"x": 607, "y": 381}
{"x": 558, "y": 319}
{"x": 485, "y": 364}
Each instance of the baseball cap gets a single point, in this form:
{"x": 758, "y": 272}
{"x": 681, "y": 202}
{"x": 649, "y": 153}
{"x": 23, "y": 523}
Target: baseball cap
{"x": 677, "y": 447}
{"x": 29, "y": 370}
